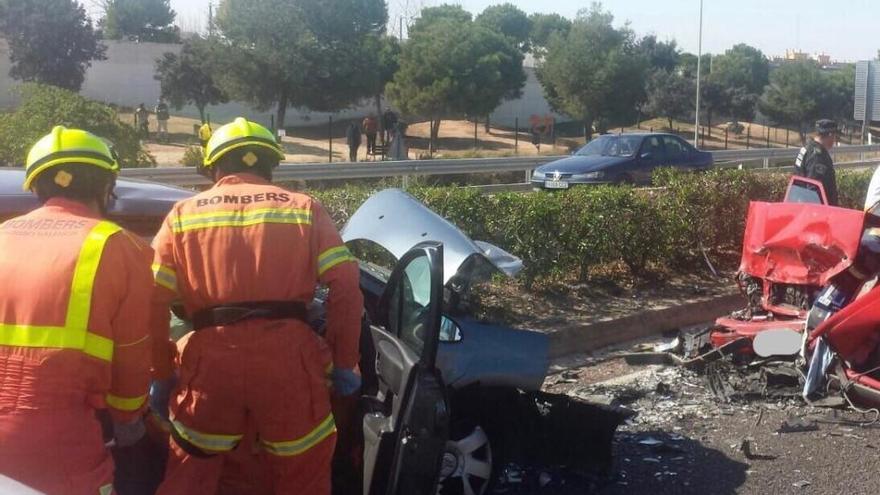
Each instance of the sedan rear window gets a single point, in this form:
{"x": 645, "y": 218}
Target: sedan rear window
{"x": 611, "y": 146}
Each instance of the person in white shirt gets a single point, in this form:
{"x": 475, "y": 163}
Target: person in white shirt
{"x": 873, "y": 190}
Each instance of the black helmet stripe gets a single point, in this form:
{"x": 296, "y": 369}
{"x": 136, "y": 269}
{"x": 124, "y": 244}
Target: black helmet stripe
{"x": 69, "y": 154}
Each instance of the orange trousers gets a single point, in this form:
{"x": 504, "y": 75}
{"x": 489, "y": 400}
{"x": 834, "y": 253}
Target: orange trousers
{"x": 56, "y": 452}
{"x": 254, "y": 390}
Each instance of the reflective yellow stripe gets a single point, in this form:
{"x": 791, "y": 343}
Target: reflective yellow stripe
{"x": 332, "y": 257}
{"x": 165, "y": 277}
{"x": 125, "y": 403}
{"x": 242, "y": 218}
{"x": 74, "y": 334}
{"x": 300, "y": 445}
{"x": 206, "y": 441}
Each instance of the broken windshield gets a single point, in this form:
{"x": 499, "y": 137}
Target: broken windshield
{"x": 611, "y": 146}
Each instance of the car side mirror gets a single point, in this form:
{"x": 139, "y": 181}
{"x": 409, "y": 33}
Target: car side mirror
{"x": 646, "y": 155}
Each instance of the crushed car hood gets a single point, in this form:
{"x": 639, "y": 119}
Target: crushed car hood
{"x": 796, "y": 243}
{"x": 397, "y": 221}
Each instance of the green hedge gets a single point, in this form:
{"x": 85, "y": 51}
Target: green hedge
{"x": 573, "y": 232}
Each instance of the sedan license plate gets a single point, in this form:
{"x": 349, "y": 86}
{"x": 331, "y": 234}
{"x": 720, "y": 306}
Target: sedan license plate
{"x": 555, "y": 184}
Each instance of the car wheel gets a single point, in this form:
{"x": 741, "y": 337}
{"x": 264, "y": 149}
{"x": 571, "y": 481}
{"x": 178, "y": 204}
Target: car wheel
{"x": 466, "y": 468}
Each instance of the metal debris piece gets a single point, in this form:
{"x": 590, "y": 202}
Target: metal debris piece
{"x": 650, "y": 442}
{"x": 797, "y": 425}
{"x": 651, "y": 459}
{"x": 746, "y": 448}
{"x": 801, "y": 484}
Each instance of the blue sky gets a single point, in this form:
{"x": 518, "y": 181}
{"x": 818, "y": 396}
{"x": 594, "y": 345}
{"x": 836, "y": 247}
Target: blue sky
{"x": 845, "y": 29}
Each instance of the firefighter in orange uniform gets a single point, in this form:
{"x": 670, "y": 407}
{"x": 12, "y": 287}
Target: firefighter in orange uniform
{"x": 244, "y": 258}
{"x": 73, "y": 323}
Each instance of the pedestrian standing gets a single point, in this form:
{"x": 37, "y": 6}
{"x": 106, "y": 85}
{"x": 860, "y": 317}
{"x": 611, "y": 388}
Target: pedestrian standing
{"x": 244, "y": 258}
{"x": 74, "y": 325}
{"x": 536, "y": 139}
{"x": 371, "y": 128}
{"x": 814, "y": 161}
{"x": 142, "y": 121}
{"x": 162, "y": 117}
{"x": 389, "y": 120}
{"x": 353, "y": 138}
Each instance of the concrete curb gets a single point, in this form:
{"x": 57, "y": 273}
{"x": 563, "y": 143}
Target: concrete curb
{"x": 585, "y": 338}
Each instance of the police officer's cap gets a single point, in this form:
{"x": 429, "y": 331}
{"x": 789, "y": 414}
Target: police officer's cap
{"x": 826, "y": 126}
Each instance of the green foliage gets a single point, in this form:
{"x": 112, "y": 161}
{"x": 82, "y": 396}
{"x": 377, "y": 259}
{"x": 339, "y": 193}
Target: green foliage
{"x": 595, "y": 73}
{"x": 44, "y": 107}
{"x": 139, "y": 20}
{"x": 193, "y": 156}
{"x": 670, "y": 95}
{"x": 737, "y": 78}
{"x": 800, "y": 93}
{"x": 659, "y": 54}
{"x": 508, "y": 20}
{"x": 187, "y": 78}
{"x": 544, "y": 26}
{"x": 50, "y": 41}
{"x": 450, "y": 68}
{"x": 575, "y": 232}
{"x": 301, "y": 53}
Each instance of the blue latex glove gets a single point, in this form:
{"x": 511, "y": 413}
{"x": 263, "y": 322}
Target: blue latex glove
{"x": 345, "y": 381}
{"x": 160, "y": 394}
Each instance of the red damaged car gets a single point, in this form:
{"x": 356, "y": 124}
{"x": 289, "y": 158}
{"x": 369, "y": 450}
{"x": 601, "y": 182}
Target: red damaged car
{"x": 802, "y": 261}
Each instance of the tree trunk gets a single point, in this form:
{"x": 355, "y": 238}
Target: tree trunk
{"x": 282, "y": 110}
{"x": 488, "y": 126}
{"x": 588, "y": 130}
{"x": 201, "y": 112}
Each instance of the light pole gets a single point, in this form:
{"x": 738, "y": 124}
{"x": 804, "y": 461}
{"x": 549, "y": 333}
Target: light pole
{"x": 699, "y": 66}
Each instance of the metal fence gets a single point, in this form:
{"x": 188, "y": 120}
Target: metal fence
{"x": 525, "y": 164}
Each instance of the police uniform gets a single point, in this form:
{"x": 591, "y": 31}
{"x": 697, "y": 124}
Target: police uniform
{"x": 814, "y": 162}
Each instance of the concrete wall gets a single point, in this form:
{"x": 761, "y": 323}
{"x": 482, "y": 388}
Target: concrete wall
{"x": 126, "y": 79}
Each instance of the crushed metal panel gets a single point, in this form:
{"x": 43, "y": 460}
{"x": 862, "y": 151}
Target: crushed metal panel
{"x": 397, "y": 221}
{"x": 799, "y": 243}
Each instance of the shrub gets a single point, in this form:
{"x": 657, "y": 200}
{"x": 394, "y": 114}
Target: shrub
{"x": 572, "y": 233}
{"x": 193, "y": 156}
{"x": 43, "y": 107}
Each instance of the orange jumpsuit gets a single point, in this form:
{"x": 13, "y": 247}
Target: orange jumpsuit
{"x": 73, "y": 338}
{"x": 246, "y": 240}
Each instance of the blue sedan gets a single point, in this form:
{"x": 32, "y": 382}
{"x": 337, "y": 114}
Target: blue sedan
{"x": 621, "y": 159}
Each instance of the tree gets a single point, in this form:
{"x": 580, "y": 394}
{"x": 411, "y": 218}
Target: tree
{"x": 300, "y": 53}
{"x": 742, "y": 66}
{"x": 450, "y": 69}
{"x": 659, "y": 54}
{"x": 670, "y": 95}
{"x": 187, "y": 78}
{"x": 50, "y": 41}
{"x": 42, "y": 107}
{"x": 594, "y": 74}
{"x": 140, "y": 20}
{"x": 429, "y": 15}
{"x": 510, "y": 21}
{"x": 840, "y": 100}
{"x": 546, "y": 25}
{"x": 795, "y": 95}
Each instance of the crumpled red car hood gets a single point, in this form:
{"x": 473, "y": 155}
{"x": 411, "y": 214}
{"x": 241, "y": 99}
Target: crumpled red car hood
{"x": 798, "y": 243}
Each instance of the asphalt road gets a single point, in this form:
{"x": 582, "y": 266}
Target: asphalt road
{"x": 684, "y": 440}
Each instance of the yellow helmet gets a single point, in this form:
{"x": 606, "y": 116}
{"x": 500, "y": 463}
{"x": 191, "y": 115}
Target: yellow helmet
{"x": 239, "y": 134}
{"x": 64, "y": 145}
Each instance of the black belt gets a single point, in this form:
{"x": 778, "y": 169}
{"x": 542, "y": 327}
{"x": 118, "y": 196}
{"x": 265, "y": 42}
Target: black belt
{"x": 230, "y": 314}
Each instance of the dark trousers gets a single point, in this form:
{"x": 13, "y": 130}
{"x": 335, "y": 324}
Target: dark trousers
{"x": 371, "y": 143}
{"x": 353, "y": 152}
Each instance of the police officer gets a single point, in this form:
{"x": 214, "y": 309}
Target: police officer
{"x": 814, "y": 161}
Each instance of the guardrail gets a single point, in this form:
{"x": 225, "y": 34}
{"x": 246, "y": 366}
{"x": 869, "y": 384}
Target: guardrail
{"x": 365, "y": 170}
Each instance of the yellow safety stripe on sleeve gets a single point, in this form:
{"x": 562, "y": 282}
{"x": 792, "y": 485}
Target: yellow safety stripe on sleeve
{"x": 332, "y": 257}
{"x": 165, "y": 277}
{"x": 206, "y": 441}
{"x": 125, "y": 403}
{"x": 74, "y": 334}
{"x": 301, "y": 445}
{"x": 241, "y": 218}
